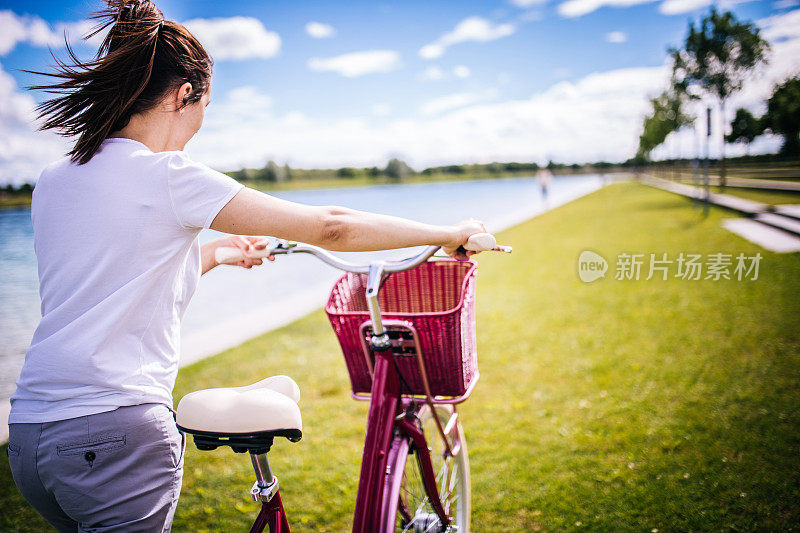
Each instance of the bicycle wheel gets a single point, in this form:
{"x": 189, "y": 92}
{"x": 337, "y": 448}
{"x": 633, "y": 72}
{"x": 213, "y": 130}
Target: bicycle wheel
{"x": 408, "y": 505}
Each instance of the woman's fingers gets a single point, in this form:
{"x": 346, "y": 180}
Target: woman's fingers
{"x": 258, "y": 243}
{"x": 248, "y": 245}
{"x": 242, "y": 244}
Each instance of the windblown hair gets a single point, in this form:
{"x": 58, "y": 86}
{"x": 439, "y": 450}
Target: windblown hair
{"x": 142, "y": 58}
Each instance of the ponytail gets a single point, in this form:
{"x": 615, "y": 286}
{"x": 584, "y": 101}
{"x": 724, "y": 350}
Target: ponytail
{"x": 142, "y": 58}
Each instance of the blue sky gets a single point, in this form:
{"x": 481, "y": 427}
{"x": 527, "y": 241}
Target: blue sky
{"x": 432, "y": 82}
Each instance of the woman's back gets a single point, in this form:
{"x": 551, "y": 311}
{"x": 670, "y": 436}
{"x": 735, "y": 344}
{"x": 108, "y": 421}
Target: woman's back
{"x": 118, "y": 259}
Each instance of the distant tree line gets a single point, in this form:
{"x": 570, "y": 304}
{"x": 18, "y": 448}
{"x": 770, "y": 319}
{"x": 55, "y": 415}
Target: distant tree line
{"x": 397, "y": 170}
{"x": 25, "y": 188}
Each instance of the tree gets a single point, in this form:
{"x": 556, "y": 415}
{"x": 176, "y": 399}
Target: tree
{"x": 667, "y": 115}
{"x": 346, "y": 172}
{"x": 396, "y": 169}
{"x": 715, "y": 59}
{"x": 494, "y": 168}
{"x": 744, "y": 128}
{"x": 272, "y": 172}
{"x": 783, "y": 114}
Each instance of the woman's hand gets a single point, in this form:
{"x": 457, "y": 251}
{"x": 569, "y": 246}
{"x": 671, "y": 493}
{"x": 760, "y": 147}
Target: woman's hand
{"x": 246, "y": 243}
{"x": 461, "y": 233}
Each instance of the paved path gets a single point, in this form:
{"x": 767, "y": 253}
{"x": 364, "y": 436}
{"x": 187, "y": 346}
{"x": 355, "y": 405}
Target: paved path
{"x": 749, "y": 183}
{"x": 776, "y": 229}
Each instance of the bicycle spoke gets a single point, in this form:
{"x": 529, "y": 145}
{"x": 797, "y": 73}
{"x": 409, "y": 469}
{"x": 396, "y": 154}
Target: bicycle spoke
{"x": 415, "y": 512}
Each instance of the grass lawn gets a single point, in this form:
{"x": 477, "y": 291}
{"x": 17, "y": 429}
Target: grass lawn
{"x": 764, "y": 196}
{"x": 610, "y": 406}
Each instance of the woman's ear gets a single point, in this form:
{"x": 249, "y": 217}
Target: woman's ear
{"x": 181, "y": 95}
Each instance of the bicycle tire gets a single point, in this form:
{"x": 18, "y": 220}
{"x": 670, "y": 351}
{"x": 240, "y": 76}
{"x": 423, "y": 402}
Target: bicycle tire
{"x": 407, "y": 506}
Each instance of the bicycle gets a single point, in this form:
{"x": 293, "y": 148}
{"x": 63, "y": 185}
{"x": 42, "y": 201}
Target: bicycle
{"x": 413, "y": 369}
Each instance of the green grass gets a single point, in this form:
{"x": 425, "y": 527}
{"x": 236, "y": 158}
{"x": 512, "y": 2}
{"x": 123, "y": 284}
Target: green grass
{"x": 764, "y": 196}
{"x": 610, "y": 406}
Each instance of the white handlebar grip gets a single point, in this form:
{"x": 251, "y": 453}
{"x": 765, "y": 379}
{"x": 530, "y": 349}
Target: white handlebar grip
{"x": 230, "y": 255}
{"x": 480, "y": 242}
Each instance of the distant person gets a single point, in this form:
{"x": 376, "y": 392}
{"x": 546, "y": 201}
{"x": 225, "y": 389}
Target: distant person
{"x": 93, "y": 444}
{"x": 544, "y": 176}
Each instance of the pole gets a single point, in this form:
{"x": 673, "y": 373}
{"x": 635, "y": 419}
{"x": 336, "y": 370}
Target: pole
{"x": 695, "y": 162}
{"x": 705, "y": 164}
{"x": 722, "y": 170}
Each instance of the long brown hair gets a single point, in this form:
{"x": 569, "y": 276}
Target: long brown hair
{"x": 142, "y": 57}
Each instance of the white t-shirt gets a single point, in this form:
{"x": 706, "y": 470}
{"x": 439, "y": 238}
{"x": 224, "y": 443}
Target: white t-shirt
{"x": 119, "y": 259}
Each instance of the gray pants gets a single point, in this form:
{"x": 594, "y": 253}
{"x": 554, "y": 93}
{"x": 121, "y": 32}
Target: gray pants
{"x": 114, "y": 471}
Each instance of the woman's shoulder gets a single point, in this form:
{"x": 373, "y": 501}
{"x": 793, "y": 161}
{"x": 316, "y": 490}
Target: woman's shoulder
{"x": 56, "y": 168}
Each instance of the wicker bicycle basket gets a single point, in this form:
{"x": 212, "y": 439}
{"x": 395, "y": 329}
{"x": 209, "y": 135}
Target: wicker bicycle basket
{"x": 437, "y": 299}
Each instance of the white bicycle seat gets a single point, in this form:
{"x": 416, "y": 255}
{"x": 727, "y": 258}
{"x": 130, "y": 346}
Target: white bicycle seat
{"x": 267, "y": 405}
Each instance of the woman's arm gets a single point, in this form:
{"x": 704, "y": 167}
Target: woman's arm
{"x": 334, "y": 228}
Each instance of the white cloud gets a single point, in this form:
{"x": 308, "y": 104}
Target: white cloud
{"x": 14, "y": 30}
{"x": 785, "y": 4}
{"x": 432, "y": 73}
{"x": 35, "y": 31}
{"x": 431, "y": 51}
{"x": 461, "y": 71}
{"x": 781, "y": 27}
{"x": 616, "y": 37}
{"x": 677, "y": 7}
{"x": 451, "y": 101}
{"x": 475, "y": 29}
{"x": 235, "y": 37}
{"x": 435, "y": 73}
{"x": 24, "y": 152}
{"x": 357, "y": 64}
{"x": 319, "y": 30}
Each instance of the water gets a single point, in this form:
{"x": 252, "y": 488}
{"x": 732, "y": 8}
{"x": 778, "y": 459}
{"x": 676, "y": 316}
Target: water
{"x": 234, "y": 304}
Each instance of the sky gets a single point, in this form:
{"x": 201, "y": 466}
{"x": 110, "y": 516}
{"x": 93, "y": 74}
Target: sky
{"x": 332, "y": 84}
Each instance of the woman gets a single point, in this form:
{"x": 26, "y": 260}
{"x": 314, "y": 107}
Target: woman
{"x": 93, "y": 444}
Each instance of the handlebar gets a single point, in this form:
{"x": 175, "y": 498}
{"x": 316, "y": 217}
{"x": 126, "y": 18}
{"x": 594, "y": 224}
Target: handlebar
{"x": 231, "y": 255}
{"x": 376, "y": 271}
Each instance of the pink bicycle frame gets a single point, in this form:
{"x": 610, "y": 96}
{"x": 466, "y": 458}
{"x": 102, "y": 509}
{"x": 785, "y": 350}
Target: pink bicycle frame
{"x": 271, "y": 515}
{"x": 383, "y": 418}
